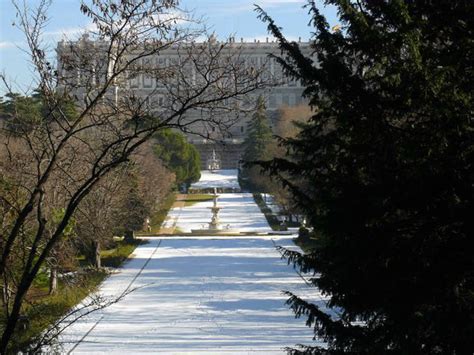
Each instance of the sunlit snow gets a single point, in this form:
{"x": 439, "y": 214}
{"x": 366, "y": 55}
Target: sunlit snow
{"x": 199, "y": 295}
{"x": 239, "y": 211}
{"x": 217, "y": 178}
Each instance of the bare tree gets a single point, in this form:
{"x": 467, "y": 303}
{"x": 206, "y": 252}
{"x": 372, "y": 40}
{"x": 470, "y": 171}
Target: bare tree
{"x": 104, "y": 210}
{"x": 290, "y": 119}
{"x": 71, "y": 153}
{"x": 94, "y": 215}
{"x": 289, "y": 123}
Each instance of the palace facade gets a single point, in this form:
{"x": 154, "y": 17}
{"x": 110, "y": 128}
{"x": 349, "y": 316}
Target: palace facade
{"x": 206, "y": 137}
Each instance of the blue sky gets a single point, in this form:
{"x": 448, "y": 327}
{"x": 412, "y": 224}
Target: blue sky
{"x": 224, "y": 17}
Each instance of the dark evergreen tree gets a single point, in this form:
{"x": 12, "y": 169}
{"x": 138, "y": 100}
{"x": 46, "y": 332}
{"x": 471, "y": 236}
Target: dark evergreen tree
{"x": 384, "y": 172}
{"x": 20, "y": 113}
{"x": 178, "y": 155}
{"x": 257, "y": 146}
{"x": 259, "y": 134}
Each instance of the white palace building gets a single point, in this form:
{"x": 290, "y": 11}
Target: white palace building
{"x": 228, "y": 146}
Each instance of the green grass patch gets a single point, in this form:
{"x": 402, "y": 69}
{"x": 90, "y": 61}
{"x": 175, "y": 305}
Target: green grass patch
{"x": 119, "y": 253}
{"x": 192, "y": 199}
{"x": 159, "y": 216}
{"x": 41, "y": 281}
{"x": 178, "y": 231}
{"x": 42, "y": 310}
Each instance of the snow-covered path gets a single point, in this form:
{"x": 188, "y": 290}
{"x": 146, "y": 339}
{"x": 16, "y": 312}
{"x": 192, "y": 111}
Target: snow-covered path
{"x": 203, "y": 295}
{"x": 199, "y": 295}
{"x": 219, "y": 178}
{"x": 239, "y": 211}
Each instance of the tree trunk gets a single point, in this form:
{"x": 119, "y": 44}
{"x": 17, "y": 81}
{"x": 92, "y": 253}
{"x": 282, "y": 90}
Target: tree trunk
{"x": 14, "y": 316}
{"x": 129, "y": 236}
{"x": 53, "y": 280}
{"x": 5, "y": 295}
{"x": 97, "y": 261}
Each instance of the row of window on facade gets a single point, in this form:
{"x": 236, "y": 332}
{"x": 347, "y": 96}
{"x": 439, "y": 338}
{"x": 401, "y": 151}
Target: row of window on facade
{"x": 246, "y": 60}
{"x": 95, "y": 71}
{"x": 270, "y": 70}
{"x": 148, "y": 82}
{"x": 143, "y": 81}
{"x": 273, "y": 101}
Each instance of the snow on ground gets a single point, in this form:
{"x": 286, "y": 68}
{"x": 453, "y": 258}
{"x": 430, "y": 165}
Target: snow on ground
{"x": 218, "y": 178}
{"x": 199, "y": 295}
{"x": 239, "y": 211}
{"x": 202, "y": 295}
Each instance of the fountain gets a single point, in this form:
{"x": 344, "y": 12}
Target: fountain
{"x": 214, "y": 226}
{"x": 213, "y": 163}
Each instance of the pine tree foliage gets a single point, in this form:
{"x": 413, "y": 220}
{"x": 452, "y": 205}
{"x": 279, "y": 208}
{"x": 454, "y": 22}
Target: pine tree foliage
{"x": 259, "y": 134}
{"x": 178, "y": 155}
{"x": 257, "y": 147}
{"x": 386, "y": 162}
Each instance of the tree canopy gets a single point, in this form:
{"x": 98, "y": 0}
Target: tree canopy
{"x": 258, "y": 146}
{"x": 21, "y": 113}
{"x": 259, "y": 134}
{"x": 383, "y": 171}
{"x": 178, "y": 155}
